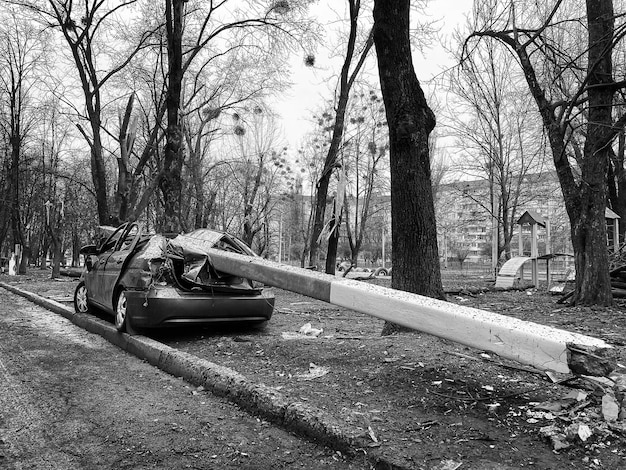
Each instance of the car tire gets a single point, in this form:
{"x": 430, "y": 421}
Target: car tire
{"x": 381, "y": 272}
{"x": 81, "y": 300}
{"x": 120, "y": 311}
{"x": 122, "y": 320}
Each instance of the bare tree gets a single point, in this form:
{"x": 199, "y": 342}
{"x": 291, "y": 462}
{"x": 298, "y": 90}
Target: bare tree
{"x": 498, "y": 139}
{"x": 214, "y": 90}
{"x": 204, "y": 28}
{"x": 352, "y": 64}
{"x": 461, "y": 252}
{"x": 415, "y": 255}
{"x": 84, "y": 27}
{"x": 574, "y": 91}
{"x": 364, "y": 159}
{"x": 56, "y": 199}
{"x": 256, "y": 179}
{"x": 22, "y": 52}
{"x": 302, "y": 209}
{"x": 170, "y": 177}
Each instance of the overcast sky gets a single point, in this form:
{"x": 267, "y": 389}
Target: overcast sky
{"x": 313, "y": 84}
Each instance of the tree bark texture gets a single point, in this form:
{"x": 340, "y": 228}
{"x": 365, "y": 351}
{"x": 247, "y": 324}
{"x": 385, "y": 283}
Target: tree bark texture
{"x": 170, "y": 180}
{"x": 589, "y": 236}
{"x": 98, "y": 169}
{"x": 415, "y": 255}
{"x": 333, "y": 241}
{"x": 585, "y": 200}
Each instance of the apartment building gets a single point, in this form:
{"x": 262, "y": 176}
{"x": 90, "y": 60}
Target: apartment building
{"x": 464, "y": 222}
{"x": 465, "y": 217}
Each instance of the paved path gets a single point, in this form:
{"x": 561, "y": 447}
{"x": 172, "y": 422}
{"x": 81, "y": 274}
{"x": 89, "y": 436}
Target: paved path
{"x": 71, "y": 400}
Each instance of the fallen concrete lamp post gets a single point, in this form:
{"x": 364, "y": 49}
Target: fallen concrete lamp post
{"x": 540, "y": 346}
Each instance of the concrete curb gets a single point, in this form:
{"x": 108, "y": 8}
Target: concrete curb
{"x": 259, "y": 399}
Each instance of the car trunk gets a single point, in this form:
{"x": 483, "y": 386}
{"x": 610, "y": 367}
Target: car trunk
{"x": 185, "y": 263}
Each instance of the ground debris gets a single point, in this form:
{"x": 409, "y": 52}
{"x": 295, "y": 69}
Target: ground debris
{"x": 610, "y": 407}
{"x": 314, "y": 372}
{"x": 590, "y": 361}
{"x": 308, "y": 330}
{"x": 448, "y": 465}
{"x": 305, "y": 331}
{"x": 580, "y": 415}
{"x": 417, "y": 421}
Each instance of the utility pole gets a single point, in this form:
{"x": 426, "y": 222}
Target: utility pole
{"x": 494, "y": 224}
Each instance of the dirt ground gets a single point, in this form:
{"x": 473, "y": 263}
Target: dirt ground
{"x": 427, "y": 402}
{"x": 70, "y": 400}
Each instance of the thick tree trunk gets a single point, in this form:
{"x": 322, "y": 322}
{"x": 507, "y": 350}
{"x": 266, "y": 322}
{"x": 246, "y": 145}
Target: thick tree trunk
{"x": 56, "y": 260}
{"x": 75, "y": 248}
{"x": 593, "y": 284}
{"x": 333, "y": 243}
{"x": 98, "y": 176}
{"x": 45, "y": 246}
{"x": 415, "y": 255}
{"x": 585, "y": 197}
{"x": 170, "y": 181}
{"x": 98, "y": 168}
{"x": 589, "y": 242}
{"x": 321, "y": 195}
{"x": 55, "y": 250}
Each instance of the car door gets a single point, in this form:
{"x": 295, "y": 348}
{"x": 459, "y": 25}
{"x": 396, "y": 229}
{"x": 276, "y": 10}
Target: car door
{"x": 116, "y": 262}
{"x": 96, "y": 274}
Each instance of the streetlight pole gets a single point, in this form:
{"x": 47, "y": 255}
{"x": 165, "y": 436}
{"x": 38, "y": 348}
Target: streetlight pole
{"x": 494, "y": 223}
{"x": 383, "y": 239}
{"x": 280, "y": 238}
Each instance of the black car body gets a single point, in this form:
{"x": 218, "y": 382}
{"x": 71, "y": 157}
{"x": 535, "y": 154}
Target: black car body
{"x": 150, "y": 281}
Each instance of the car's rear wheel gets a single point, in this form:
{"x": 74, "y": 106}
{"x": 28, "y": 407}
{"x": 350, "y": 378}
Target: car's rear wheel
{"x": 81, "y": 300}
{"x": 121, "y": 317}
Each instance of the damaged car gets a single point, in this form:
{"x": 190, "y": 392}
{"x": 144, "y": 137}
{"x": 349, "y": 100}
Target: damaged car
{"x": 150, "y": 281}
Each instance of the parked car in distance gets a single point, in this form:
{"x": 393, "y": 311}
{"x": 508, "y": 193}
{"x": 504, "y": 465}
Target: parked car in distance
{"x": 150, "y": 281}
{"x": 380, "y": 271}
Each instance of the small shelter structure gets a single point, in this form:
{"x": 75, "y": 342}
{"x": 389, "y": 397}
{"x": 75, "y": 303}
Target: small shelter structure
{"x": 612, "y": 228}
{"x": 535, "y": 220}
{"x": 508, "y": 273}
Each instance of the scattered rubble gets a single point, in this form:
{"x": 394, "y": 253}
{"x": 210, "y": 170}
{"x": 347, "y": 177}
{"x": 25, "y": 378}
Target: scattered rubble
{"x": 585, "y": 416}
{"x": 314, "y": 372}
